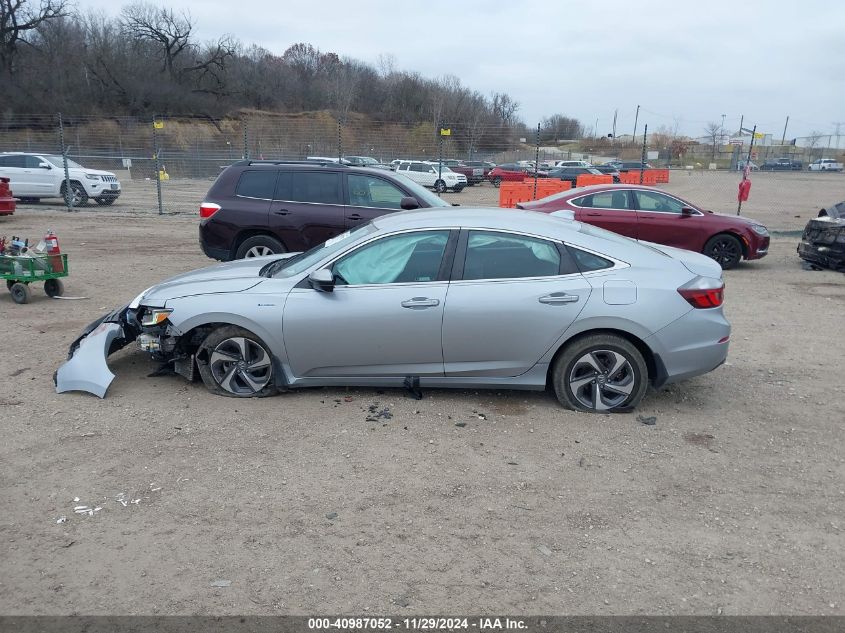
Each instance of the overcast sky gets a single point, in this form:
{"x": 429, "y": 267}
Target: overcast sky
{"x": 688, "y": 62}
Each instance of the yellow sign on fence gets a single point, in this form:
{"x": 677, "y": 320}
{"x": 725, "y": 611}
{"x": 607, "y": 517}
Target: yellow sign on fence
{"x": 445, "y": 131}
{"x": 158, "y": 125}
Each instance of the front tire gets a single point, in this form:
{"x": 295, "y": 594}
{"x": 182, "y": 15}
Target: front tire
{"x": 259, "y": 246}
{"x": 497, "y": 182}
{"x": 600, "y": 373}
{"x": 725, "y": 249}
{"x": 235, "y": 363}
{"x": 77, "y": 196}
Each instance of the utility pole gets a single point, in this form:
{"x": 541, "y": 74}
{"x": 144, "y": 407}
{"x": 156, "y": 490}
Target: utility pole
{"x": 636, "y": 116}
{"x": 615, "y": 113}
{"x": 722, "y": 131}
{"x": 837, "y": 124}
{"x": 741, "y": 120}
{"x": 783, "y": 138}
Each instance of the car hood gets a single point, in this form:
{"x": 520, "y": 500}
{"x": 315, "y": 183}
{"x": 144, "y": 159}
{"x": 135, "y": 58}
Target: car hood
{"x": 94, "y": 172}
{"x": 235, "y": 276}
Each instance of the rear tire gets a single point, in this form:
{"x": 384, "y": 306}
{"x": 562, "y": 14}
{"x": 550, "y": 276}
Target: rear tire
{"x": 259, "y": 246}
{"x": 21, "y": 293}
{"x": 600, "y": 373}
{"x": 54, "y": 288}
{"x": 725, "y": 249}
{"x": 440, "y": 186}
{"x": 235, "y": 363}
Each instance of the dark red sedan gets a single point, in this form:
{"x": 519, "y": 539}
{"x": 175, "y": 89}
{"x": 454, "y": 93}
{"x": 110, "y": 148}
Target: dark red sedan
{"x": 652, "y": 215}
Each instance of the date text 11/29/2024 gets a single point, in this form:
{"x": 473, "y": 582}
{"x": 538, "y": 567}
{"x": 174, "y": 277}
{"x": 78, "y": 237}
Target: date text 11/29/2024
{"x": 418, "y": 624}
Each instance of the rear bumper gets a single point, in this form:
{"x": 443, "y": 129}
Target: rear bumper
{"x": 695, "y": 344}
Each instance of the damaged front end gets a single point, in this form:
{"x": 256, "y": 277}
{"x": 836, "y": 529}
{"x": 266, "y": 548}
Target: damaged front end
{"x": 823, "y": 241}
{"x": 86, "y": 368}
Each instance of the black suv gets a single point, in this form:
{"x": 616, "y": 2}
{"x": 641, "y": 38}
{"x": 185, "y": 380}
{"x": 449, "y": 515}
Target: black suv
{"x": 257, "y": 208}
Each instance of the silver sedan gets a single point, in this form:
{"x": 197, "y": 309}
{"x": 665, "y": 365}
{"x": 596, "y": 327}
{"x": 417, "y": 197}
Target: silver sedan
{"x": 466, "y": 298}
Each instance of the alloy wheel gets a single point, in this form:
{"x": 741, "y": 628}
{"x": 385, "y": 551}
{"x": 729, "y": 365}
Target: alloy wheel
{"x": 725, "y": 250}
{"x": 259, "y": 251}
{"x": 240, "y": 366}
{"x": 601, "y": 379}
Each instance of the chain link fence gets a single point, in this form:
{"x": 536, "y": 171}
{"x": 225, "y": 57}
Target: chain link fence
{"x": 167, "y": 164}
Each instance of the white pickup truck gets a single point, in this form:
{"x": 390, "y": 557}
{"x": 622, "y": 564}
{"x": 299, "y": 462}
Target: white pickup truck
{"x": 35, "y": 176}
{"x": 825, "y": 164}
{"x": 429, "y": 175}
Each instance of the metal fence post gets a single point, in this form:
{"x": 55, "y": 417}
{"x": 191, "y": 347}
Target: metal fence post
{"x": 246, "y": 142}
{"x": 643, "y": 155}
{"x": 157, "y": 165}
{"x": 536, "y": 161}
{"x": 68, "y": 190}
{"x": 339, "y": 142}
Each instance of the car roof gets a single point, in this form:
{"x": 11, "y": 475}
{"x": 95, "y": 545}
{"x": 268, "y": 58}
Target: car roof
{"x": 488, "y": 218}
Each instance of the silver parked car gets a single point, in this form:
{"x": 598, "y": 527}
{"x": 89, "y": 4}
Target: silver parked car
{"x": 480, "y": 298}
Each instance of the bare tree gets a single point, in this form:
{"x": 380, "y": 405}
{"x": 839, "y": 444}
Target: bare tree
{"x": 19, "y": 19}
{"x": 713, "y": 130}
{"x": 171, "y": 32}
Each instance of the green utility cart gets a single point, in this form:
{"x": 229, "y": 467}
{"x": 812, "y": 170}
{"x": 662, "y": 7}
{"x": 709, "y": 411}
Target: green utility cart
{"x": 20, "y": 271}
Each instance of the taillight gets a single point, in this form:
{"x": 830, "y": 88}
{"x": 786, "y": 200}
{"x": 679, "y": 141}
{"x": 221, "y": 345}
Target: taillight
{"x": 703, "y": 292}
{"x": 207, "y": 209}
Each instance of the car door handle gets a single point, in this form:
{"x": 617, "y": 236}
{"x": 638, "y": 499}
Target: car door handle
{"x": 355, "y": 216}
{"x": 282, "y": 212}
{"x": 557, "y": 298}
{"x": 420, "y": 302}
{"x": 594, "y": 215}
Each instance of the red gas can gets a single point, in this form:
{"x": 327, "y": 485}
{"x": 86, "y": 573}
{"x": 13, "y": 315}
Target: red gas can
{"x": 7, "y": 202}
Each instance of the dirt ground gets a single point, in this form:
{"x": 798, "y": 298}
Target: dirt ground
{"x": 464, "y": 501}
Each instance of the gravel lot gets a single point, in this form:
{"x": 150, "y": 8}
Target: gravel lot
{"x": 464, "y": 501}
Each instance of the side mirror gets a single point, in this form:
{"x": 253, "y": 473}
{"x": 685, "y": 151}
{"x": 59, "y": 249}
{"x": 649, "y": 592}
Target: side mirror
{"x": 322, "y": 280}
{"x": 686, "y": 211}
{"x": 408, "y": 203}
{"x": 44, "y": 165}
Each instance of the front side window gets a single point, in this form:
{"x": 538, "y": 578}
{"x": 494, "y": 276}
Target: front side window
{"x": 506, "y": 256}
{"x": 652, "y": 201}
{"x": 257, "y": 184}
{"x": 315, "y": 186}
{"x": 604, "y": 200}
{"x": 405, "y": 258}
{"x": 369, "y": 191}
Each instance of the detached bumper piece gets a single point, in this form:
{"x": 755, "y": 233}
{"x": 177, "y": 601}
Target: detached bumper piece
{"x": 823, "y": 243}
{"x": 86, "y": 368}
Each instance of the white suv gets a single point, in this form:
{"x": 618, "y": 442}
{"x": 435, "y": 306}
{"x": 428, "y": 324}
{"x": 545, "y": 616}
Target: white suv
{"x": 428, "y": 174}
{"x": 825, "y": 164}
{"x": 36, "y": 176}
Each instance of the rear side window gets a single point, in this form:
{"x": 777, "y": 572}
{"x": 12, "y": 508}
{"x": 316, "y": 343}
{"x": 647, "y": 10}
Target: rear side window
{"x": 604, "y": 200}
{"x": 257, "y": 184}
{"x": 587, "y": 262}
{"x": 317, "y": 187}
{"x": 507, "y": 256}
{"x": 13, "y": 161}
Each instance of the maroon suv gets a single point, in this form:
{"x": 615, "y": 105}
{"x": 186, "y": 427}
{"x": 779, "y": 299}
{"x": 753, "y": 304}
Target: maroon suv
{"x": 257, "y": 208}
{"x": 652, "y": 215}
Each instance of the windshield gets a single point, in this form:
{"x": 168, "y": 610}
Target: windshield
{"x": 57, "y": 161}
{"x": 284, "y": 268}
{"x": 421, "y": 193}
